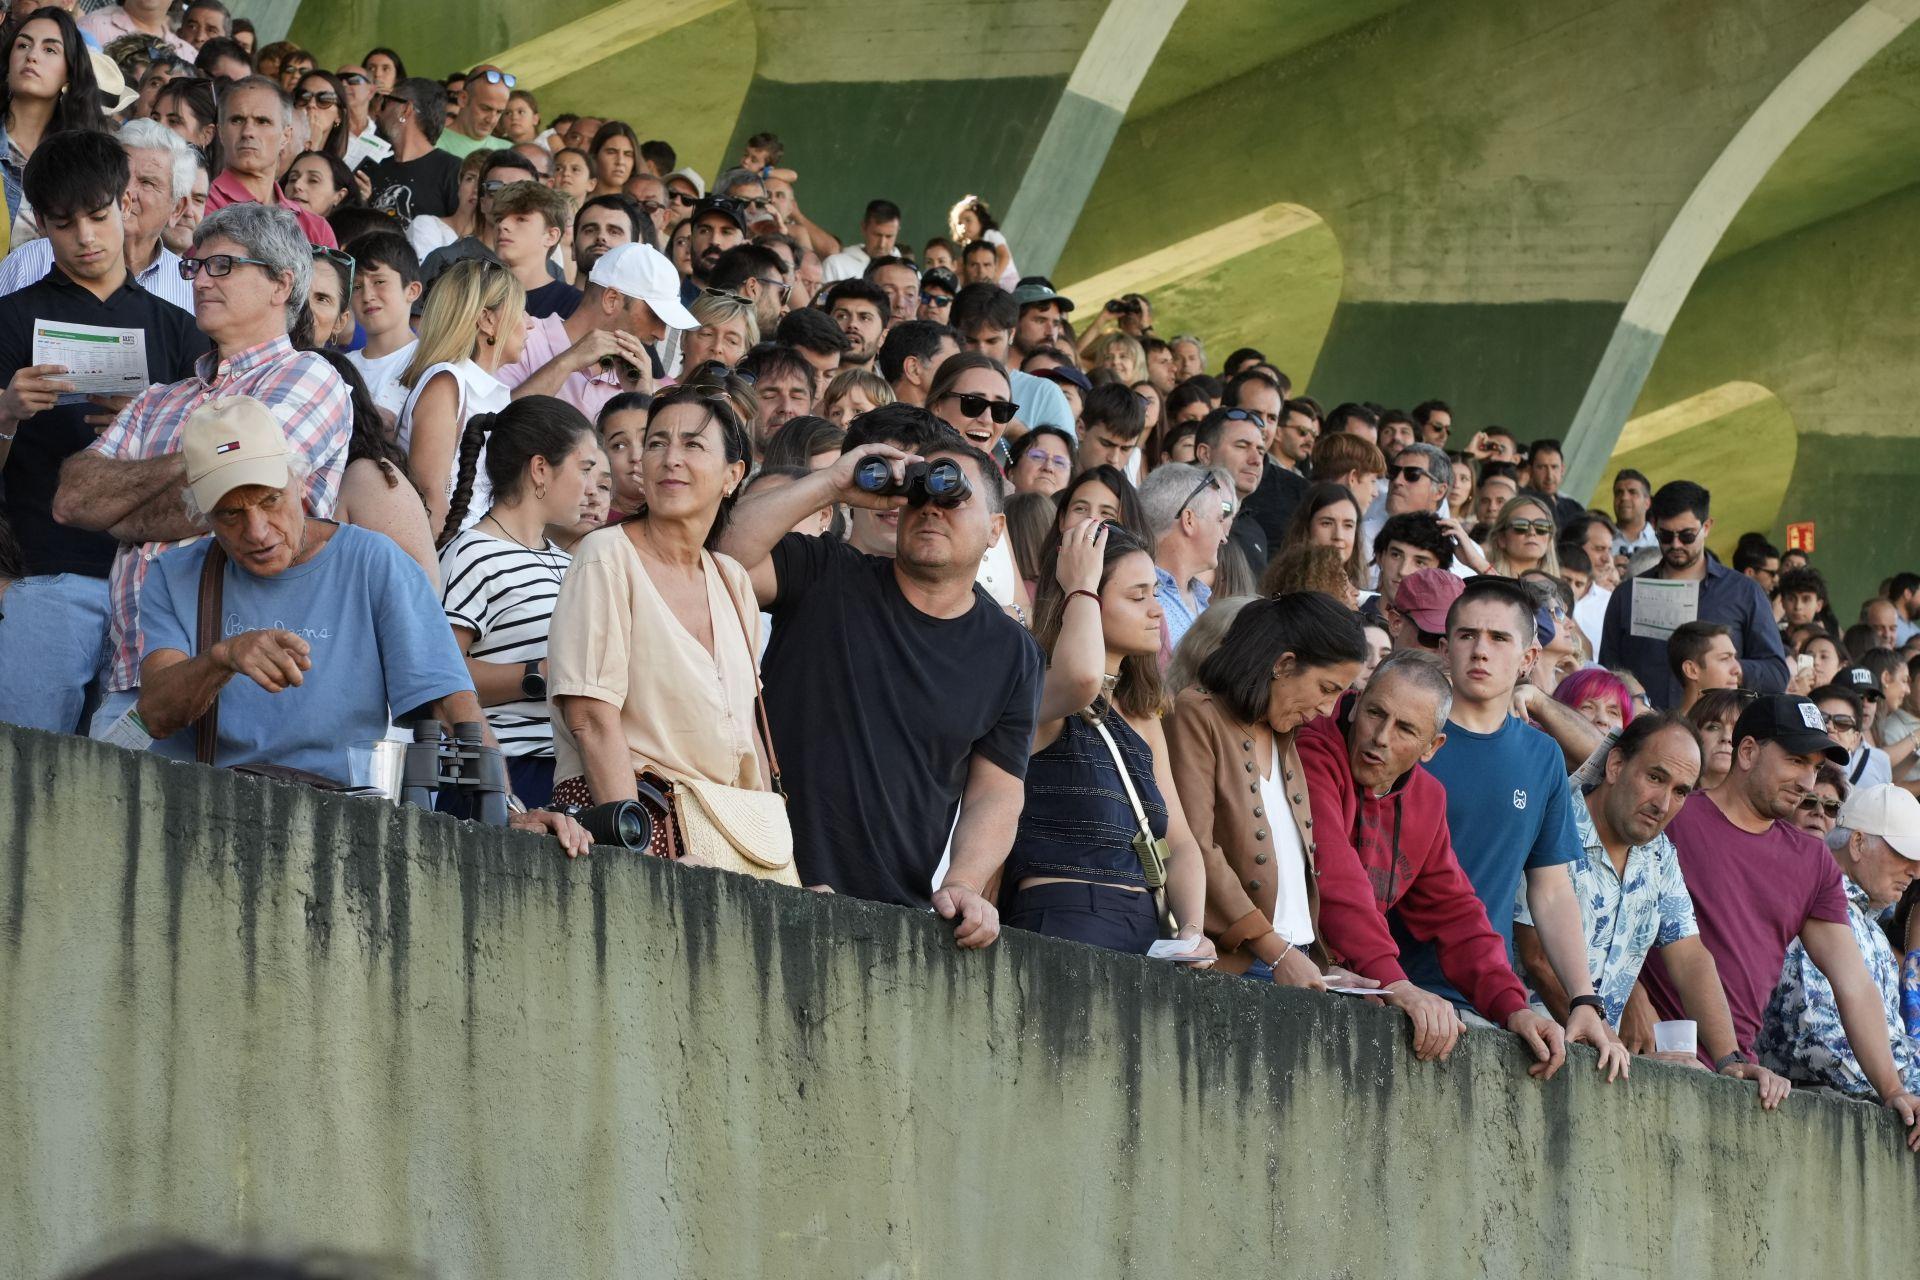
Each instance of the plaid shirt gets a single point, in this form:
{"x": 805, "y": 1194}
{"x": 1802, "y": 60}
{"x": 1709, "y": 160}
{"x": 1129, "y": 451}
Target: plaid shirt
{"x": 301, "y": 390}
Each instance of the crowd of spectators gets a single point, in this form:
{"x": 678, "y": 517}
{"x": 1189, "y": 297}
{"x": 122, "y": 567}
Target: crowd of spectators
{"x": 499, "y": 417}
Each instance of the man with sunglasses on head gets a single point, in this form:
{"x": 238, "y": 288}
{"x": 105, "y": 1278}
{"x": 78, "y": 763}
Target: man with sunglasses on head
{"x": 418, "y": 178}
{"x": 76, "y": 182}
{"x": 251, "y": 269}
{"x": 1234, "y": 440}
{"x": 1188, "y": 511}
{"x": 1680, "y": 518}
{"x": 485, "y": 98}
{"x": 1758, "y": 882}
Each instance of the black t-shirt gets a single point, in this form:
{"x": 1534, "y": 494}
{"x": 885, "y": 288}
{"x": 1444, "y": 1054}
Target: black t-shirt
{"x": 557, "y": 298}
{"x": 410, "y": 188}
{"x": 46, "y": 440}
{"x": 877, "y": 710}
{"x": 1272, "y": 504}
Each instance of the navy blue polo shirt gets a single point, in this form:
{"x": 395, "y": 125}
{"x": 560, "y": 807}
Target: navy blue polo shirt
{"x": 44, "y": 441}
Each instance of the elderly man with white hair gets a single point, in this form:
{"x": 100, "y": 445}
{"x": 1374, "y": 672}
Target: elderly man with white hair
{"x": 1877, "y": 847}
{"x": 1189, "y": 510}
{"x": 163, "y": 172}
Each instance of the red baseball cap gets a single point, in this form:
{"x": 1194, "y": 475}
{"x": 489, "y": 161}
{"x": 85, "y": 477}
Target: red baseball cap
{"x": 1425, "y": 595}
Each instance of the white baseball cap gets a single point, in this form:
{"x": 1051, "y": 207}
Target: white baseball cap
{"x": 1887, "y": 811}
{"x": 639, "y": 271}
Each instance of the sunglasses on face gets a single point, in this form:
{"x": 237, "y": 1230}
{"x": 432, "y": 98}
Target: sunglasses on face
{"x": 1820, "y": 804}
{"x": 219, "y": 264}
{"x": 1542, "y": 527}
{"x": 682, "y": 199}
{"x": 973, "y": 406}
{"x": 714, "y": 373}
{"x": 324, "y": 97}
{"x": 491, "y": 186}
{"x": 1413, "y": 475}
{"x": 495, "y": 77}
{"x": 935, "y": 300}
{"x": 1686, "y": 537}
{"x": 1841, "y": 724}
{"x": 354, "y": 78}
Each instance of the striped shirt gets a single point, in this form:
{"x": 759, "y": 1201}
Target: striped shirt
{"x": 30, "y": 263}
{"x": 504, "y": 592}
{"x": 300, "y": 389}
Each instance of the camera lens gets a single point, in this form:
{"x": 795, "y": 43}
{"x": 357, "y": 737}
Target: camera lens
{"x": 624, "y": 824}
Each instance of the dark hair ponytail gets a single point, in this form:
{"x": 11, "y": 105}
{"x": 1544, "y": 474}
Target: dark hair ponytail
{"x": 529, "y": 428}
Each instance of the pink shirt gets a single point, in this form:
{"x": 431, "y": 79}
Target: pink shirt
{"x": 109, "y": 24}
{"x": 227, "y": 189}
{"x": 1751, "y": 895}
{"x": 547, "y": 340}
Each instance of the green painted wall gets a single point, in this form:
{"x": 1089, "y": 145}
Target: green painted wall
{"x": 244, "y": 1011}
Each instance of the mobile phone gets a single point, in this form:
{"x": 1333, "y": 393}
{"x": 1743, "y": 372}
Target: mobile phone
{"x": 1803, "y": 663}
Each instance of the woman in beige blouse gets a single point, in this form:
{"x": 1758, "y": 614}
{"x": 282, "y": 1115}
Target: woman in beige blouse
{"x": 653, "y": 652}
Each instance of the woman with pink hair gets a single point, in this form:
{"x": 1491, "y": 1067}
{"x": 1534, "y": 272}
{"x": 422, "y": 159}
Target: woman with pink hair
{"x": 1600, "y": 696}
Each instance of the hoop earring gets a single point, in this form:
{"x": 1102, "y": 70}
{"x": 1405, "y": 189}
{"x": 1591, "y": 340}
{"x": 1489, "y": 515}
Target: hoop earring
{"x": 539, "y": 492}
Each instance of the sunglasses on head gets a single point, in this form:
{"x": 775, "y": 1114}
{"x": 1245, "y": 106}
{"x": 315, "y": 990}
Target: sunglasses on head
{"x": 1412, "y": 474}
{"x": 973, "y": 406}
{"x": 1686, "y": 537}
{"x": 1211, "y": 482}
{"x": 1542, "y": 527}
{"x": 1820, "y": 804}
{"x": 494, "y": 77}
{"x": 714, "y": 373}
{"x": 1243, "y": 415}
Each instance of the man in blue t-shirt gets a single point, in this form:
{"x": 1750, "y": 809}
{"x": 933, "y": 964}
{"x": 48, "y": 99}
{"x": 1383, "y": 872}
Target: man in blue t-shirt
{"x": 1508, "y": 807}
{"x": 327, "y": 632}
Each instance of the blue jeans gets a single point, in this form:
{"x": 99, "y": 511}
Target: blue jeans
{"x": 53, "y": 648}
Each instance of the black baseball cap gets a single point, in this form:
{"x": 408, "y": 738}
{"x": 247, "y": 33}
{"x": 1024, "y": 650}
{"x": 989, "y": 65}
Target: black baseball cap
{"x": 726, "y": 206}
{"x": 1862, "y": 682}
{"x": 939, "y": 278}
{"x": 1790, "y": 720}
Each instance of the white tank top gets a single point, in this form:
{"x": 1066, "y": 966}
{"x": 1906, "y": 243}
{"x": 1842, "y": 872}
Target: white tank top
{"x": 478, "y": 392}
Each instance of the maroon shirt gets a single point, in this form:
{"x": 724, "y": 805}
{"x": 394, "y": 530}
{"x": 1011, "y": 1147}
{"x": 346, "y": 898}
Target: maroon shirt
{"x": 1751, "y": 895}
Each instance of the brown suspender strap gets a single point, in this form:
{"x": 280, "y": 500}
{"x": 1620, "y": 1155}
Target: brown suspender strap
{"x": 760, "y": 707}
{"x": 212, "y": 582}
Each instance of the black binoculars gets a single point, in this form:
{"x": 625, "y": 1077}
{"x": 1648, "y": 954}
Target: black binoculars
{"x": 941, "y": 482}
{"x": 463, "y": 764}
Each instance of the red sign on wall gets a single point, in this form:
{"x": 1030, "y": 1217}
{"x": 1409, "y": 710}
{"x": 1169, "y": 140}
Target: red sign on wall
{"x": 1800, "y": 537}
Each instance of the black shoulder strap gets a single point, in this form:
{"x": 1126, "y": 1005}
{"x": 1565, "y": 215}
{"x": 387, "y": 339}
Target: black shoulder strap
{"x": 212, "y": 584}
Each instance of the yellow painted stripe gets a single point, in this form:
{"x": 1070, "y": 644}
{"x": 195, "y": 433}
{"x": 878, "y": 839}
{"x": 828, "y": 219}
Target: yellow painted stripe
{"x": 602, "y": 34}
{"x": 1197, "y": 255}
{"x": 1694, "y": 411}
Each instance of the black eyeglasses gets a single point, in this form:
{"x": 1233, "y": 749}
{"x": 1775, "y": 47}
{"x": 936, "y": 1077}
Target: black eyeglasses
{"x": 495, "y": 77}
{"x": 1820, "y": 804}
{"x": 1411, "y": 474}
{"x": 220, "y": 264}
{"x": 1686, "y": 537}
{"x": 308, "y": 97}
{"x": 973, "y": 406}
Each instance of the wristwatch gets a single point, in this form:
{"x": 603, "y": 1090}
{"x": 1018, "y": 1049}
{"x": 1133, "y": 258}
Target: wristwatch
{"x": 533, "y": 685}
{"x": 1722, "y": 1063}
{"x": 1591, "y": 1002}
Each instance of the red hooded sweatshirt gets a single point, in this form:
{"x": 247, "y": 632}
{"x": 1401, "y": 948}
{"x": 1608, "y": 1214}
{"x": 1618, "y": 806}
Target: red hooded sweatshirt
{"x": 1393, "y": 852}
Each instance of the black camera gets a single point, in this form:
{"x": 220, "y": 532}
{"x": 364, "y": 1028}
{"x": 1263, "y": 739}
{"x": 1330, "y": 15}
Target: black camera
{"x": 624, "y": 824}
{"x": 942, "y": 482}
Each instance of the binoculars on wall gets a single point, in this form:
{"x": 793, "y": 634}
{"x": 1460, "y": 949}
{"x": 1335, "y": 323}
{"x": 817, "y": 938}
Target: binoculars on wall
{"x": 941, "y": 482}
{"x": 462, "y": 763}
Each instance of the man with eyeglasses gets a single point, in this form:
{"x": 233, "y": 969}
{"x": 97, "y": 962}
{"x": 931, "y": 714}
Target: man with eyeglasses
{"x": 418, "y": 178}
{"x": 1418, "y": 477}
{"x": 1188, "y": 509}
{"x": 1234, "y": 440}
{"x": 76, "y": 182}
{"x": 251, "y": 268}
{"x": 256, "y": 122}
{"x": 1844, "y": 704}
{"x": 487, "y": 90}
{"x": 1680, "y": 518}
{"x": 1758, "y": 882}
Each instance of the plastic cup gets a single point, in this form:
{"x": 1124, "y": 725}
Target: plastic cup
{"x": 1682, "y": 1035}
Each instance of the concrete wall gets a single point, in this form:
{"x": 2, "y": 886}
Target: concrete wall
{"x": 248, "y": 1012}
{"x": 245, "y": 1011}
